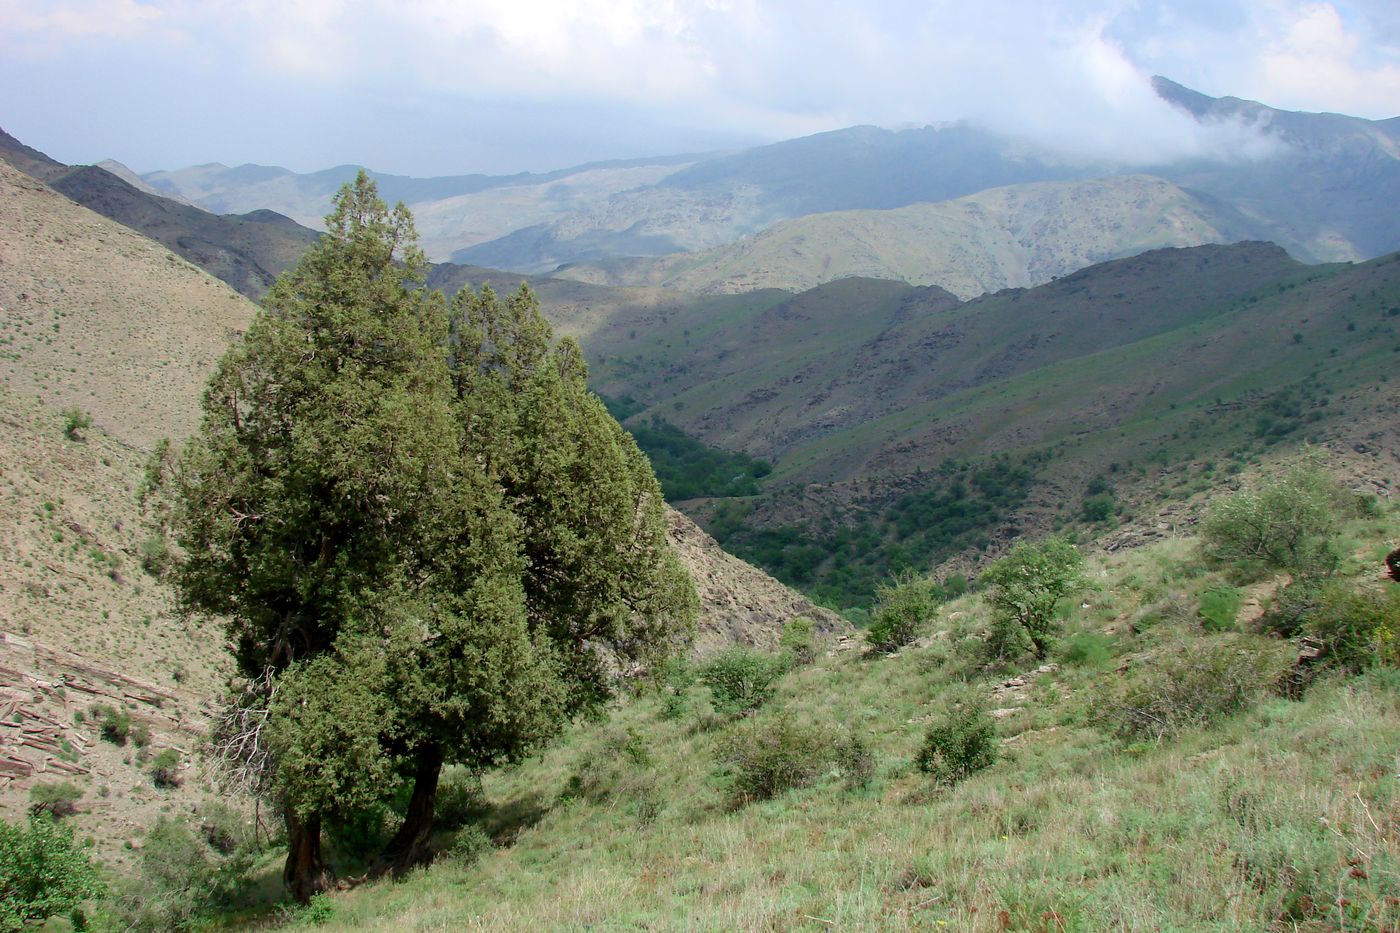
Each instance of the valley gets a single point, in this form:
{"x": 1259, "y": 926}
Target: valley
{"x": 871, "y": 369}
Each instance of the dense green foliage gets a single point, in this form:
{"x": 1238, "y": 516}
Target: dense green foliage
{"x": 769, "y": 757}
{"x": 957, "y": 507}
{"x": 741, "y": 679}
{"x": 1024, "y": 587}
{"x": 1285, "y": 524}
{"x": 961, "y": 741}
{"x": 902, "y": 609}
{"x": 427, "y": 538}
{"x": 687, "y": 467}
{"x": 42, "y": 873}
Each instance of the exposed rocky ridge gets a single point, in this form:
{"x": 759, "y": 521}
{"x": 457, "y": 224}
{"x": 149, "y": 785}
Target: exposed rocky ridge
{"x": 1010, "y": 237}
{"x": 741, "y": 603}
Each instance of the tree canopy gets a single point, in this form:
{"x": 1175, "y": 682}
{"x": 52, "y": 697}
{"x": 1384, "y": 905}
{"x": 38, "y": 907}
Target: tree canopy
{"x": 429, "y": 542}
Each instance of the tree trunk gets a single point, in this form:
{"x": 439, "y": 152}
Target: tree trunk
{"x": 305, "y": 871}
{"x": 409, "y": 847}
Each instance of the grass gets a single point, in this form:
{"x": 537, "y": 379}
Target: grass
{"x": 1285, "y": 816}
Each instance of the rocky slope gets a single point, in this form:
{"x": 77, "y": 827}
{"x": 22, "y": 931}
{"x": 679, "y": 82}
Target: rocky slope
{"x": 1012, "y": 237}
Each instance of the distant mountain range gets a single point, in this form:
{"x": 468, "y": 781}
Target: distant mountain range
{"x": 1322, "y": 191}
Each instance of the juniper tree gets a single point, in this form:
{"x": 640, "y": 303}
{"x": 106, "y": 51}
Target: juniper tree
{"x": 426, "y": 541}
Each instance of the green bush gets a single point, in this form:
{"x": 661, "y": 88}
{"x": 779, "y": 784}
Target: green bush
{"x": 75, "y": 422}
{"x": 1086, "y": 649}
{"x": 1024, "y": 587}
{"x": 165, "y": 769}
{"x": 901, "y": 610}
{"x": 741, "y": 679}
{"x": 42, "y": 873}
{"x": 155, "y": 555}
{"x": 768, "y": 757}
{"x": 1285, "y": 524}
{"x": 799, "y": 640}
{"x": 113, "y": 723}
{"x": 961, "y": 741}
{"x": 1190, "y": 683}
{"x": 58, "y": 799}
{"x": 469, "y": 845}
{"x": 1353, "y": 627}
{"x": 1220, "y": 608}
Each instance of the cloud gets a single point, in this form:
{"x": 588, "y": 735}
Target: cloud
{"x": 1074, "y": 73}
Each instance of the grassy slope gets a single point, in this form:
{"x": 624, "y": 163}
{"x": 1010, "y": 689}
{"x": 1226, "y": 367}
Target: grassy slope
{"x": 1232, "y": 827}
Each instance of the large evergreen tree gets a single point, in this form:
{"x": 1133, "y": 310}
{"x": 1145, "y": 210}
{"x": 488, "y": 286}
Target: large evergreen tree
{"x": 429, "y": 542}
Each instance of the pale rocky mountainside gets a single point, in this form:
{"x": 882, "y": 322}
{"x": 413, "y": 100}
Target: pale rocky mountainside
{"x": 742, "y": 603}
{"x": 99, "y": 318}
{"x": 1010, "y": 237}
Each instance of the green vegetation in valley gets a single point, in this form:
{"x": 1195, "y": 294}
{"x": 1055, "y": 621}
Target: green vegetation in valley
{"x": 686, "y": 467}
{"x": 957, "y": 508}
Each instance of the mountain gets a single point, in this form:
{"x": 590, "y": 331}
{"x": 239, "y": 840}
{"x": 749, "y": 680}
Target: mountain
{"x": 879, "y": 402}
{"x": 1324, "y": 191}
{"x": 1317, "y": 184}
{"x": 451, "y": 212}
{"x": 1014, "y": 236}
{"x": 248, "y": 252}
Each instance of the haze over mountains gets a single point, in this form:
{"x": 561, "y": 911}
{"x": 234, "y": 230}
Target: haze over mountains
{"x": 1079, "y": 355}
{"x": 1317, "y": 184}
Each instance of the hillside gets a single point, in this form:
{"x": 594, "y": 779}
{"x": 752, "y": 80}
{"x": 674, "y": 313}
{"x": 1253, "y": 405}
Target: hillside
{"x": 103, "y": 321}
{"x": 1264, "y": 801}
{"x": 247, "y": 252}
{"x": 1138, "y": 378}
{"x": 1011, "y": 237}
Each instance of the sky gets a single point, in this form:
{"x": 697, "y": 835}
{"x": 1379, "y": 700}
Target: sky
{"x": 439, "y": 87}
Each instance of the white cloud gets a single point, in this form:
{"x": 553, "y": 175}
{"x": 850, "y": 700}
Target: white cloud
{"x": 1073, "y": 72}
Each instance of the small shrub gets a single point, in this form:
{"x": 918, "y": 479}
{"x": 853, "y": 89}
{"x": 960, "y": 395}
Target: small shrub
{"x": 165, "y": 769}
{"x": 1191, "y": 683}
{"x": 1220, "y": 608}
{"x": 43, "y": 873}
{"x": 140, "y": 736}
{"x": 469, "y": 845}
{"x": 75, "y": 422}
{"x": 1024, "y": 588}
{"x": 114, "y": 724}
{"x": 155, "y": 555}
{"x": 769, "y": 757}
{"x": 856, "y": 761}
{"x": 1086, "y": 649}
{"x": 1286, "y": 524}
{"x": 799, "y": 640}
{"x": 58, "y": 800}
{"x": 741, "y": 679}
{"x": 674, "y": 678}
{"x": 901, "y": 610}
{"x": 961, "y": 742}
{"x": 318, "y": 911}
{"x": 1353, "y": 627}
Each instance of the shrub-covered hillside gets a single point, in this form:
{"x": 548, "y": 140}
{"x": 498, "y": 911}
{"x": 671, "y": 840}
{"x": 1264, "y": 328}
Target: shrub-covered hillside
{"x": 1208, "y": 743}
